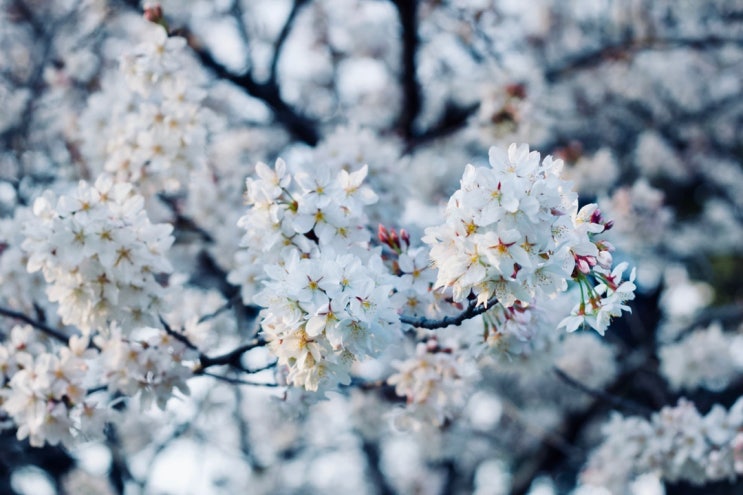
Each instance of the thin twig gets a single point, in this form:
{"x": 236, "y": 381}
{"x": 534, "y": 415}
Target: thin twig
{"x": 600, "y": 394}
{"x": 231, "y": 358}
{"x": 238, "y": 381}
{"x": 281, "y": 39}
{"x": 472, "y": 310}
{"x": 52, "y": 332}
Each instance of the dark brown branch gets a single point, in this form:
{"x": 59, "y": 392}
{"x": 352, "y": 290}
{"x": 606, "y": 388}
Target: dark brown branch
{"x": 452, "y": 120}
{"x": 281, "y": 39}
{"x": 411, "y": 105}
{"x": 231, "y": 358}
{"x": 472, "y": 310}
{"x": 238, "y": 381}
{"x": 614, "y": 400}
{"x": 52, "y": 332}
{"x": 300, "y": 126}
{"x": 626, "y": 48}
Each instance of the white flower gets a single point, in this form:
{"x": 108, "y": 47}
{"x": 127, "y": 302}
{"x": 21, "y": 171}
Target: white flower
{"x": 677, "y": 443}
{"x": 150, "y": 367}
{"x": 100, "y": 254}
{"x": 325, "y": 313}
{"x": 705, "y": 358}
{"x": 434, "y": 382}
{"x": 503, "y": 228}
{"x": 323, "y": 211}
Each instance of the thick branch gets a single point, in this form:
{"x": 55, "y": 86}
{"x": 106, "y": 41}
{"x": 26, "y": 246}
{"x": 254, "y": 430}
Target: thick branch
{"x": 453, "y": 119}
{"x": 300, "y": 126}
{"x": 411, "y": 105}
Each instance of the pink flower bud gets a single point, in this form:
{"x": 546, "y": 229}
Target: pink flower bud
{"x": 605, "y": 259}
{"x": 153, "y": 13}
{"x": 596, "y": 216}
{"x": 394, "y": 241}
{"x": 382, "y": 234}
{"x": 405, "y": 236}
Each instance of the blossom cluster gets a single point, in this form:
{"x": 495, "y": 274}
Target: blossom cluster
{"x": 513, "y": 230}
{"x": 45, "y": 394}
{"x": 706, "y": 358}
{"x": 434, "y": 382}
{"x": 155, "y": 133}
{"x": 677, "y": 443}
{"x": 325, "y": 293}
{"x": 325, "y": 313}
{"x": 323, "y": 211}
{"x": 20, "y": 290}
{"x": 414, "y": 294}
{"x": 150, "y": 366}
{"x": 504, "y": 227}
{"x": 100, "y": 255}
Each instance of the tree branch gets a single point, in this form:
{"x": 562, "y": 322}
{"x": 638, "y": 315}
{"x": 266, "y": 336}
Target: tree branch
{"x": 411, "y": 106}
{"x": 238, "y": 381}
{"x": 625, "y": 48}
{"x": 472, "y": 310}
{"x": 615, "y": 401}
{"x": 300, "y": 126}
{"x": 281, "y": 39}
{"x": 52, "y": 332}
{"x": 231, "y": 358}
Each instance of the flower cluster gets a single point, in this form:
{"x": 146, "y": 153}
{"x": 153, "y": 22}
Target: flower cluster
{"x": 414, "y": 293}
{"x": 507, "y": 229}
{"x": 45, "y": 393}
{"x": 100, "y": 255}
{"x": 148, "y": 127}
{"x": 677, "y": 443}
{"x": 325, "y": 293}
{"x": 514, "y": 231}
{"x": 603, "y": 301}
{"x": 49, "y": 393}
{"x": 324, "y": 314}
{"x": 323, "y": 211}
{"x": 705, "y": 358}
{"x": 151, "y": 366}
{"x": 19, "y": 290}
{"x": 434, "y": 381}
{"x": 351, "y": 148}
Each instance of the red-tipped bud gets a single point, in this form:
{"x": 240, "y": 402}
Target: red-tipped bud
{"x": 394, "y": 239}
{"x": 405, "y": 236}
{"x": 382, "y": 235}
{"x": 516, "y": 90}
{"x": 596, "y": 216}
{"x": 608, "y": 225}
{"x": 154, "y": 13}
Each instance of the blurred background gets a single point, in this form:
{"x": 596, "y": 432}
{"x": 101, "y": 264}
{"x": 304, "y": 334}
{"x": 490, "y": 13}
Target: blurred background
{"x": 642, "y": 99}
